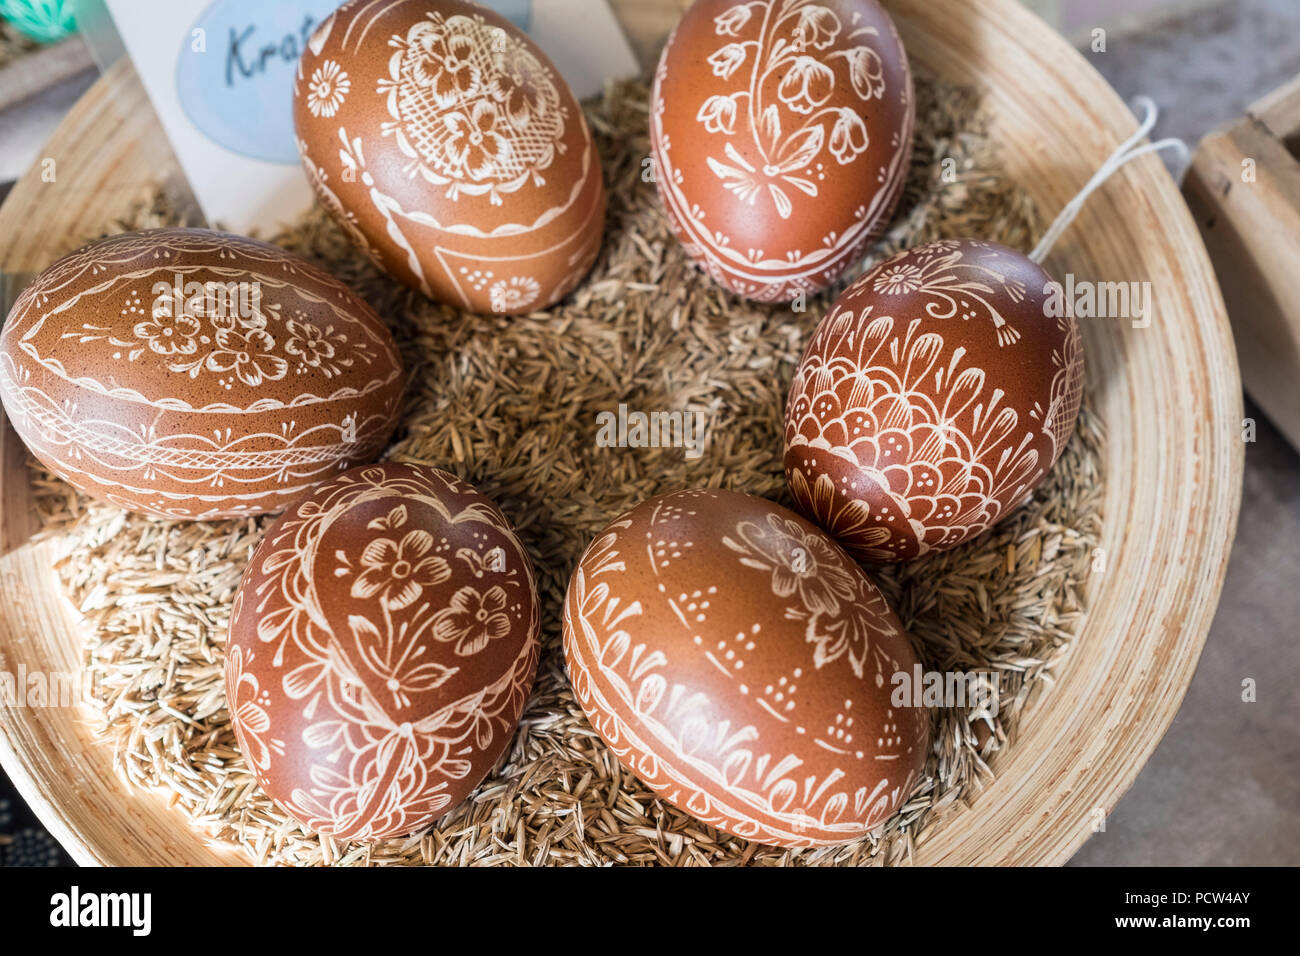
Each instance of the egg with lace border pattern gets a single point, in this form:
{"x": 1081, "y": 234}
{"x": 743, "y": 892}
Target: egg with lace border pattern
{"x": 451, "y": 151}
{"x": 192, "y": 374}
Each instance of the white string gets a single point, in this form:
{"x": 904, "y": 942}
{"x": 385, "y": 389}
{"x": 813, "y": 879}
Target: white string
{"x": 1127, "y": 151}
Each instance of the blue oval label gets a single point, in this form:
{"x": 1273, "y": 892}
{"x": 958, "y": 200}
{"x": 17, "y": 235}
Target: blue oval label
{"x": 234, "y": 74}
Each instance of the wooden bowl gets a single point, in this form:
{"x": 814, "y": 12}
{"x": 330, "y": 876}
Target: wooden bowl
{"x": 1170, "y": 395}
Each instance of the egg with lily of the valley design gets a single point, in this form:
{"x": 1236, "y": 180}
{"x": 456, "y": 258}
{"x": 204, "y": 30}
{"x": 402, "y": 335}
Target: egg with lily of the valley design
{"x": 739, "y": 662}
{"x": 781, "y": 132}
{"x": 382, "y": 646}
{"x": 450, "y": 150}
{"x": 932, "y": 399}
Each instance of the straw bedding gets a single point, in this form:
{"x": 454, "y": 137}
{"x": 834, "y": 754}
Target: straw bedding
{"x": 511, "y": 405}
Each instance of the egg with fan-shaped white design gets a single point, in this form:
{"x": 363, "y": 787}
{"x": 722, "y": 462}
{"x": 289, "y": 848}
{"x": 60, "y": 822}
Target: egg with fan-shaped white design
{"x": 933, "y": 397}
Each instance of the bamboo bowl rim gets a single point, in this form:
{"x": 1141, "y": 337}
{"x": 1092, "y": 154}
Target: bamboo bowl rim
{"x": 1169, "y": 394}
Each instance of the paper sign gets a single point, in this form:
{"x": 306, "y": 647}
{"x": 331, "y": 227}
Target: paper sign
{"x": 224, "y": 92}
{"x": 220, "y": 76}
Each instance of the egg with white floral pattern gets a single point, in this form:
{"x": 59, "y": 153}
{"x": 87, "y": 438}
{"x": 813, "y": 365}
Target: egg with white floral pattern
{"x": 781, "y": 132}
{"x": 739, "y": 662}
{"x": 382, "y": 646}
{"x": 186, "y": 373}
{"x": 451, "y": 151}
{"x": 932, "y": 399}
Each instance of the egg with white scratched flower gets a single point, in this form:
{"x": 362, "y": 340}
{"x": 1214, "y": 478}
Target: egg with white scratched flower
{"x": 192, "y": 374}
{"x": 738, "y": 661}
{"x": 781, "y": 132}
{"x": 382, "y": 646}
{"x": 451, "y": 151}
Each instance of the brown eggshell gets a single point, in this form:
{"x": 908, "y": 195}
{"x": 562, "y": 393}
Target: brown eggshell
{"x": 738, "y": 661}
{"x": 197, "y": 403}
{"x": 934, "y": 396}
{"x": 450, "y": 149}
{"x": 781, "y": 132}
{"x": 382, "y": 645}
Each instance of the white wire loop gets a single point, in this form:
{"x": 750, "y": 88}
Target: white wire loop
{"x": 1127, "y": 151}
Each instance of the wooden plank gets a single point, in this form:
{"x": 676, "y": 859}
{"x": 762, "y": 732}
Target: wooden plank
{"x": 108, "y": 152}
{"x": 1244, "y": 191}
{"x": 1279, "y": 111}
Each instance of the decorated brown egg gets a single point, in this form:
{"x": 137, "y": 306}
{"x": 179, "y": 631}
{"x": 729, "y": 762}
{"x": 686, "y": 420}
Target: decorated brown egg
{"x": 185, "y": 373}
{"x": 741, "y": 664}
{"x": 781, "y": 133}
{"x": 938, "y": 391}
{"x": 450, "y": 149}
{"x": 382, "y": 645}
